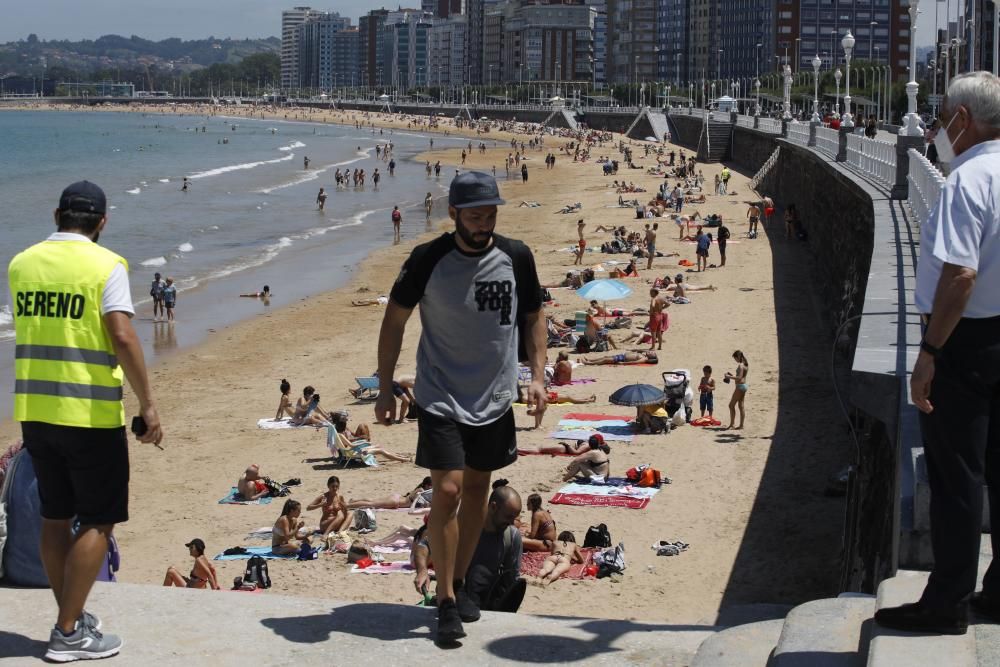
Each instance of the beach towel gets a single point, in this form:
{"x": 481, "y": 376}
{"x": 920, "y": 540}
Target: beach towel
{"x": 531, "y": 564}
{"x": 591, "y": 416}
{"x": 593, "y": 423}
{"x": 585, "y": 435}
{"x": 389, "y": 567}
{"x": 401, "y": 546}
{"x": 271, "y": 425}
{"x": 576, "y": 381}
{"x": 263, "y": 552}
{"x": 581, "y": 500}
{"x": 234, "y": 499}
{"x": 705, "y": 421}
{"x": 592, "y": 489}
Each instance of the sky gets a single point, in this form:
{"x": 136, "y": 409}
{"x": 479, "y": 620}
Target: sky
{"x": 195, "y": 19}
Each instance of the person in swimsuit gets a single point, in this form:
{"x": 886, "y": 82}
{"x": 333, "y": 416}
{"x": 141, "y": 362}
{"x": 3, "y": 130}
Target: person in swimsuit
{"x": 565, "y": 553}
{"x": 286, "y": 528}
{"x": 395, "y": 501}
{"x": 429, "y": 199}
{"x": 285, "y": 404}
{"x": 542, "y": 533}
{"x": 740, "y": 392}
{"x": 753, "y": 215}
{"x": 363, "y": 448}
{"x": 334, "y": 509}
{"x": 250, "y": 485}
{"x": 624, "y": 358}
{"x": 559, "y": 449}
{"x": 596, "y": 462}
{"x": 307, "y": 410}
{"x": 202, "y": 572}
{"x": 361, "y": 432}
{"x": 553, "y": 398}
{"x": 658, "y": 318}
{"x": 263, "y": 294}
{"x": 563, "y": 370}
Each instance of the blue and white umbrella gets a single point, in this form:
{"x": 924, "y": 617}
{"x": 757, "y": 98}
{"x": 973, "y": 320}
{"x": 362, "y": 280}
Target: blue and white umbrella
{"x": 606, "y": 289}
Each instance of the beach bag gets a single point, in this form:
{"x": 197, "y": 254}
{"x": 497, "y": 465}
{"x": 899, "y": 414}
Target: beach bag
{"x": 274, "y": 489}
{"x": 582, "y": 345}
{"x": 357, "y": 552}
{"x": 597, "y": 536}
{"x": 610, "y": 561}
{"x": 256, "y": 573}
{"x": 364, "y": 520}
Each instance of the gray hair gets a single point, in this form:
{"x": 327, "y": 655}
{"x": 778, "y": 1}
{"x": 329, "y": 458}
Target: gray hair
{"x": 979, "y": 92}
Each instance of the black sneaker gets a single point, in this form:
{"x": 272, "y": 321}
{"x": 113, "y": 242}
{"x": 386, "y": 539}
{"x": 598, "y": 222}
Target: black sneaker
{"x": 914, "y": 617}
{"x": 449, "y": 629}
{"x": 468, "y": 609}
{"x": 986, "y": 606}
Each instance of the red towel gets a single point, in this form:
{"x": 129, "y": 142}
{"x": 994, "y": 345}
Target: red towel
{"x": 599, "y": 501}
{"x": 531, "y": 563}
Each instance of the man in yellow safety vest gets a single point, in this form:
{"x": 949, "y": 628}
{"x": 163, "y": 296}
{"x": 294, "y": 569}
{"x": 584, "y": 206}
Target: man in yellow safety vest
{"x": 74, "y": 337}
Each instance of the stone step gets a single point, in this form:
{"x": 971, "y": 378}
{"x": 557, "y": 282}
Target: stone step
{"x": 747, "y": 645}
{"x": 826, "y": 633}
{"x": 173, "y": 626}
{"x": 891, "y": 648}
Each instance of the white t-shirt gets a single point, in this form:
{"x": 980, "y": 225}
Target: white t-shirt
{"x": 117, "y": 295}
{"x": 964, "y": 229}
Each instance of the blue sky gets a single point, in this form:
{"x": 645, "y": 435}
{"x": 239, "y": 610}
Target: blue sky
{"x": 189, "y": 19}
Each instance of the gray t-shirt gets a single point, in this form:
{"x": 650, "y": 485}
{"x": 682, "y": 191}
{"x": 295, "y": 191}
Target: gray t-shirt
{"x": 471, "y": 307}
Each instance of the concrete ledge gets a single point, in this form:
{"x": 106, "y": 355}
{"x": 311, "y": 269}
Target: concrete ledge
{"x": 740, "y": 646}
{"x": 825, "y": 633}
{"x": 172, "y": 626}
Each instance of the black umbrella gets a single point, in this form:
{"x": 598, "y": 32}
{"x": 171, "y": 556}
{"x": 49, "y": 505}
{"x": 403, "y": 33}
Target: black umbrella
{"x": 634, "y": 395}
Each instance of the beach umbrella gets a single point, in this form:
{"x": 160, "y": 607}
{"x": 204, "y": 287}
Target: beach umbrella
{"x": 634, "y": 395}
{"x": 606, "y": 289}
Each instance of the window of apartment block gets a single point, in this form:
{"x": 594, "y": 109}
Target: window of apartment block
{"x": 784, "y": 15}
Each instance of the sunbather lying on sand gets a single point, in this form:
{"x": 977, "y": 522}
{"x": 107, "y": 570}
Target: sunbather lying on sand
{"x": 529, "y": 204}
{"x": 364, "y": 448}
{"x": 395, "y": 501}
{"x": 565, "y": 553}
{"x": 283, "y": 535}
{"x": 623, "y": 358}
{"x": 571, "y": 208}
{"x": 553, "y": 399}
{"x": 377, "y": 301}
{"x": 334, "y": 508}
{"x": 574, "y": 448}
{"x": 542, "y": 533}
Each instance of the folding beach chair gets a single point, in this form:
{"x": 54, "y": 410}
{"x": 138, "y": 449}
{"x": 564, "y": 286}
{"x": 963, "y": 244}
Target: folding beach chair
{"x": 346, "y": 455}
{"x": 367, "y": 389}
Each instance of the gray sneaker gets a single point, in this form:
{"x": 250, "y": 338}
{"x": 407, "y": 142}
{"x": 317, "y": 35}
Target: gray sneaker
{"x": 86, "y": 643}
{"x": 86, "y": 618}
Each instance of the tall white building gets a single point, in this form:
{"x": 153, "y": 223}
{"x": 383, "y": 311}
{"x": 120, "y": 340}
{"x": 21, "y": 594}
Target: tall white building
{"x": 291, "y": 19}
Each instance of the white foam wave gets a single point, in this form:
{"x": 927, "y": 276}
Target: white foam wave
{"x": 313, "y": 174}
{"x": 134, "y": 191}
{"x": 185, "y": 247}
{"x": 292, "y": 146}
{"x": 238, "y": 167}
{"x": 154, "y": 261}
{"x": 6, "y": 322}
{"x": 269, "y": 253}
{"x": 353, "y": 221}
{"x": 164, "y": 180}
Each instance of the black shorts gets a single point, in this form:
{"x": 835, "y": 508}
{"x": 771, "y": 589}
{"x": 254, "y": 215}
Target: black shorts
{"x": 82, "y": 472}
{"x": 444, "y": 444}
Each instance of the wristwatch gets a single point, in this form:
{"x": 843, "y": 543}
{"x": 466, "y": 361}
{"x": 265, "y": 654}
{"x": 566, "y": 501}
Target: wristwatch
{"x": 935, "y": 352}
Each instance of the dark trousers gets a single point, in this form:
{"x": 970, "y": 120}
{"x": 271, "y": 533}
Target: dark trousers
{"x": 962, "y": 450}
{"x": 492, "y": 592}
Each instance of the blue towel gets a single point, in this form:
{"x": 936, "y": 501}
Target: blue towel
{"x": 263, "y": 552}
{"x": 234, "y": 499}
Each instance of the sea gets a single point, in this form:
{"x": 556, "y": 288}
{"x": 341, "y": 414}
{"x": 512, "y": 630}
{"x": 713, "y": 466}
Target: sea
{"x": 249, "y": 217}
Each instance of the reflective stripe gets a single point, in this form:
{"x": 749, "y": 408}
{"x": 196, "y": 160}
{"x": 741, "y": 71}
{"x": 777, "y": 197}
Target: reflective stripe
{"x": 61, "y": 353}
{"x": 68, "y": 389}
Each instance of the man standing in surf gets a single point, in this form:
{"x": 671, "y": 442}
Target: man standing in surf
{"x": 397, "y": 220}
{"x": 479, "y": 298}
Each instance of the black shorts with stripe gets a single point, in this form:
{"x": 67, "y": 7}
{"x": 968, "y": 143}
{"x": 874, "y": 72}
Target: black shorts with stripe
{"x": 444, "y": 444}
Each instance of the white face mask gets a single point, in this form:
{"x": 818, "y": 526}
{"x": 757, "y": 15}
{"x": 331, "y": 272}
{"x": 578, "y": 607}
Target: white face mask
{"x": 944, "y": 145}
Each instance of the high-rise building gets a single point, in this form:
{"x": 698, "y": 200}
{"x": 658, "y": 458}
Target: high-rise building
{"x": 632, "y": 41}
{"x": 673, "y": 57}
{"x": 403, "y": 49}
{"x": 446, "y": 42}
{"x": 291, "y": 19}
{"x": 548, "y": 42}
{"x": 369, "y": 26}
{"x": 743, "y": 24}
{"x": 493, "y": 22}
{"x": 980, "y": 47}
{"x": 600, "y": 54}
{"x": 320, "y": 64}
{"x": 441, "y": 9}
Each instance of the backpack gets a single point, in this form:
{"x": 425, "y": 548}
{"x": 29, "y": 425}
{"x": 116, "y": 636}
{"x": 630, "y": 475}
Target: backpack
{"x": 256, "y": 573}
{"x": 644, "y": 475}
{"x": 364, "y": 520}
{"x": 610, "y": 561}
{"x": 597, "y": 536}
{"x": 274, "y": 489}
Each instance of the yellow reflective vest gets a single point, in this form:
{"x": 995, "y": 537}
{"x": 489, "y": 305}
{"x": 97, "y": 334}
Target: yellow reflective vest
{"x": 65, "y": 369}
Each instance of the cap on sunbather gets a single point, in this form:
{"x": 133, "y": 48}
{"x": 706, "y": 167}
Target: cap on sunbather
{"x": 474, "y": 188}
{"x": 196, "y": 543}
{"x": 596, "y": 440}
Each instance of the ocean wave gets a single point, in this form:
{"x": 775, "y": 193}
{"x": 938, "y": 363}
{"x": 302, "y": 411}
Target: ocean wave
{"x": 292, "y": 146}
{"x": 154, "y": 261}
{"x": 238, "y": 167}
{"x": 134, "y": 191}
{"x": 185, "y": 247}
{"x": 353, "y": 221}
{"x": 6, "y": 323}
{"x": 164, "y": 180}
{"x": 269, "y": 253}
{"x": 313, "y": 174}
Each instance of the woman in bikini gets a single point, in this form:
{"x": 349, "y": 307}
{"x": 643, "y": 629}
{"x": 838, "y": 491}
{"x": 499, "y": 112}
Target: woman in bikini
{"x": 395, "y": 501}
{"x": 286, "y": 528}
{"x": 565, "y": 553}
{"x": 543, "y": 527}
{"x": 334, "y": 508}
{"x": 559, "y": 449}
{"x": 623, "y": 358}
{"x": 362, "y": 448}
{"x": 740, "y": 392}
{"x": 307, "y": 410}
{"x": 285, "y": 405}
{"x": 595, "y": 462}
{"x": 202, "y": 573}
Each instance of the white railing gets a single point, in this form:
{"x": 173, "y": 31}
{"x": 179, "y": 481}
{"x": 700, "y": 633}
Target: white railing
{"x": 925, "y": 185}
{"x": 827, "y": 141}
{"x": 798, "y": 133}
{"x": 765, "y": 169}
{"x": 769, "y": 125}
{"x": 873, "y": 158}
{"x": 744, "y": 121}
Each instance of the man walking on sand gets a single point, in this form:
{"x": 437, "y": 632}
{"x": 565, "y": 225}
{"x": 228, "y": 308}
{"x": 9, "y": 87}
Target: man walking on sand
{"x": 397, "y": 220}
{"x": 658, "y": 318}
{"x": 479, "y": 298}
{"x": 74, "y": 337}
{"x": 651, "y": 244}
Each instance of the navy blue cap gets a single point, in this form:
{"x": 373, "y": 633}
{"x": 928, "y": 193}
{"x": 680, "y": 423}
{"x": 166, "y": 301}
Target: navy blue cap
{"x": 85, "y": 197}
{"x": 474, "y": 188}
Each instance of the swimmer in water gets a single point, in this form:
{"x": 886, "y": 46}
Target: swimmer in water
{"x": 266, "y": 293}
{"x": 321, "y": 198}
{"x": 184, "y": 187}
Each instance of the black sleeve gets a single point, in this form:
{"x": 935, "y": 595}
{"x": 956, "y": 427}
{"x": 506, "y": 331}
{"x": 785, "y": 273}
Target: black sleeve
{"x": 416, "y": 272}
{"x": 529, "y": 290}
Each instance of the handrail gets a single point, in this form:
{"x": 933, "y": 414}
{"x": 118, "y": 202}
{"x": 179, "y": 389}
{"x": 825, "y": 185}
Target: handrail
{"x": 872, "y": 157}
{"x": 925, "y": 182}
{"x": 769, "y": 125}
{"x": 798, "y": 133}
{"x": 827, "y": 141}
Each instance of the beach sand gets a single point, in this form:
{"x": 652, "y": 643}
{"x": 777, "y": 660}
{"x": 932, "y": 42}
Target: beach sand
{"x": 750, "y": 503}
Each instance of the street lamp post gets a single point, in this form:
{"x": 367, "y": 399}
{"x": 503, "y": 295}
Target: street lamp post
{"x": 798, "y": 43}
{"x": 756, "y": 84}
{"x": 871, "y": 37}
{"x": 912, "y": 122}
{"x": 848, "y": 43}
{"x": 836, "y": 110}
{"x": 787, "y": 116}
{"x": 816, "y": 63}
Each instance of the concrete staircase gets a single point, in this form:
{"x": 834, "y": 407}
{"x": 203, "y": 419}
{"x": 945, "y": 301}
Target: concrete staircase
{"x": 658, "y": 121}
{"x": 720, "y": 139}
{"x": 569, "y": 117}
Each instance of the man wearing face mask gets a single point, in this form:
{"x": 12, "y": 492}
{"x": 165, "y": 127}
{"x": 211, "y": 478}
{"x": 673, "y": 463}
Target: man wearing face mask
{"x": 956, "y": 378}
{"x": 479, "y": 298}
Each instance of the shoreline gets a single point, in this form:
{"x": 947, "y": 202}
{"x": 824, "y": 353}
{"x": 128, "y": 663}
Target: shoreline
{"x": 210, "y": 396}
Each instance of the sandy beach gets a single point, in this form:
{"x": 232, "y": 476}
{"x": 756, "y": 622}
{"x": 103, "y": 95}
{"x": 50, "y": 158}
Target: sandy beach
{"x": 750, "y": 503}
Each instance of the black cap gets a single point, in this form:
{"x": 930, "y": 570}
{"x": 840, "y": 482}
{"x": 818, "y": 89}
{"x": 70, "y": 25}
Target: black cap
{"x": 474, "y": 188}
{"x": 85, "y": 197}
{"x": 197, "y": 543}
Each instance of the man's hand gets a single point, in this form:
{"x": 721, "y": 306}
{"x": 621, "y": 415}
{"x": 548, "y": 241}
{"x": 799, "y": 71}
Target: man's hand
{"x": 536, "y": 397}
{"x": 385, "y": 408}
{"x": 154, "y": 433}
{"x": 421, "y": 580}
{"x": 920, "y": 382}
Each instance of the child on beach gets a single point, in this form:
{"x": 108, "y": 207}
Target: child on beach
{"x": 707, "y": 392}
{"x": 170, "y": 298}
{"x": 565, "y": 552}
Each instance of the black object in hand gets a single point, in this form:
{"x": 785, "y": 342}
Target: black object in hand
{"x": 726, "y": 380}
{"x": 139, "y": 427}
